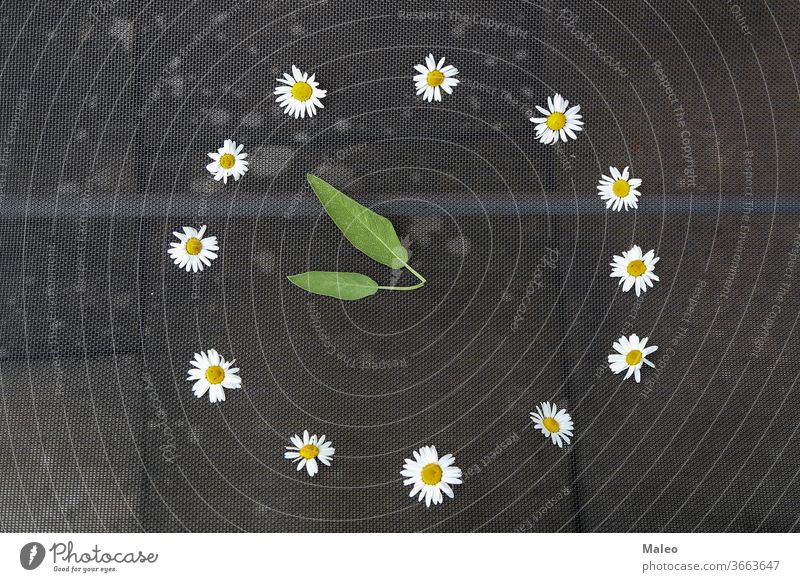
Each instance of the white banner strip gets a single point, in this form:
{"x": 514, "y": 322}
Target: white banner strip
{"x": 401, "y": 557}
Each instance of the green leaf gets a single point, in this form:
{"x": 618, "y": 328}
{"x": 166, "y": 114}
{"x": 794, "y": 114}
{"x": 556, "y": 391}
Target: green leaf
{"x": 348, "y": 286}
{"x": 366, "y": 230}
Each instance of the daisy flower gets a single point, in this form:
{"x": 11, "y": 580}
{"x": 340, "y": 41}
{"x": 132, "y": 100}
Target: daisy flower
{"x": 307, "y": 450}
{"x": 558, "y": 121}
{"x": 433, "y": 78}
{"x": 212, "y": 374}
{"x": 193, "y": 252}
{"x": 619, "y": 191}
{"x": 228, "y": 161}
{"x": 299, "y": 94}
{"x": 554, "y": 423}
{"x": 631, "y": 352}
{"x": 635, "y": 269}
{"x": 430, "y": 475}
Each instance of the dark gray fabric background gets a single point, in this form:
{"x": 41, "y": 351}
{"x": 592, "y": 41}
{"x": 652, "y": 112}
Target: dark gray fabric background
{"x": 108, "y": 111}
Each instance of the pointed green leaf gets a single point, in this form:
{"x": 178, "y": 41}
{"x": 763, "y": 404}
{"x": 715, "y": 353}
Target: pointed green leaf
{"x": 366, "y": 230}
{"x": 348, "y": 286}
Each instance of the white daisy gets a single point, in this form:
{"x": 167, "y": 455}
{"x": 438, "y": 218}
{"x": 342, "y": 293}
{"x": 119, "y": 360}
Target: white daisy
{"x": 212, "y": 374}
{"x": 619, "y": 190}
{"x": 558, "y": 121}
{"x": 193, "y": 251}
{"x": 299, "y": 94}
{"x": 554, "y": 423}
{"x": 308, "y": 450}
{"x": 631, "y": 352}
{"x": 430, "y": 475}
{"x": 635, "y": 269}
{"x": 228, "y": 161}
{"x": 433, "y": 78}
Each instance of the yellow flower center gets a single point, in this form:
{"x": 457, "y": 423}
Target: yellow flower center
{"x": 194, "y": 246}
{"x": 226, "y": 161}
{"x": 435, "y": 78}
{"x": 634, "y": 357}
{"x": 551, "y": 424}
{"x": 215, "y": 374}
{"x": 637, "y": 268}
{"x": 556, "y": 120}
{"x": 621, "y": 188}
{"x": 309, "y": 451}
{"x": 301, "y": 91}
{"x": 431, "y": 474}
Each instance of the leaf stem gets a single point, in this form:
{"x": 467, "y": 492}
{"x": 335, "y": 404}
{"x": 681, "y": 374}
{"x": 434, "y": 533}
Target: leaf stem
{"x": 409, "y": 288}
{"x": 417, "y": 275}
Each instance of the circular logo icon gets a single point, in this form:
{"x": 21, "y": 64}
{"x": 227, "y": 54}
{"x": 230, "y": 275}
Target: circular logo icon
{"x": 31, "y": 555}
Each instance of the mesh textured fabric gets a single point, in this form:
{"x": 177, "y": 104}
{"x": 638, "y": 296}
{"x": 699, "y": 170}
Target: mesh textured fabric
{"x": 109, "y": 108}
